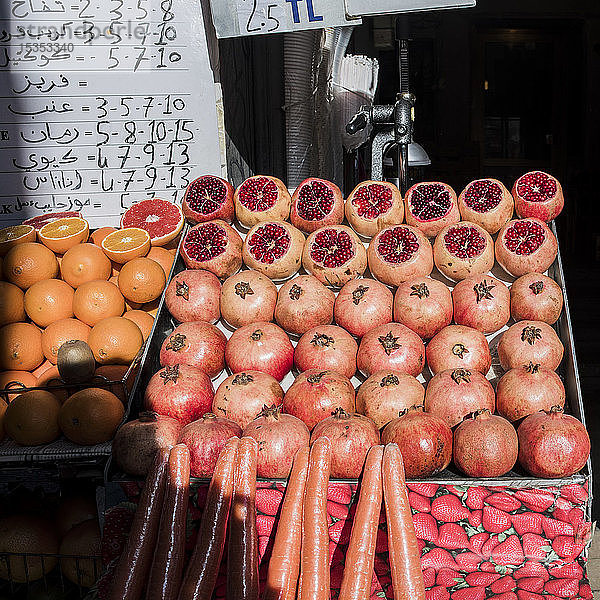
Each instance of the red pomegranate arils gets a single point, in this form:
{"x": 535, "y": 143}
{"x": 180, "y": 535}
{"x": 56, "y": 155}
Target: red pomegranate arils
{"x": 372, "y": 199}
{"x": 537, "y": 187}
{"x": 206, "y": 194}
{"x": 398, "y": 244}
{"x": 258, "y": 193}
{"x": 524, "y": 237}
{"x": 464, "y": 242}
{"x": 316, "y": 201}
{"x": 430, "y": 201}
{"x": 271, "y": 247}
{"x": 483, "y": 195}
{"x": 331, "y": 248}
{"x": 206, "y": 242}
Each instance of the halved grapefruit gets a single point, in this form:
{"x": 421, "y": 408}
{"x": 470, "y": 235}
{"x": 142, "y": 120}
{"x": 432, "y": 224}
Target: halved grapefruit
{"x": 162, "y": 219}
{"x": 41, "y": 220}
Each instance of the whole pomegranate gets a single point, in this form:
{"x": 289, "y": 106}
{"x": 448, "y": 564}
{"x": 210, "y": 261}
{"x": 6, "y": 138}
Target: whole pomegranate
{"x": 205, "y": 438}
{"x": 208, "y": 198}
{"x": 399, "y": 253}
{"x": 392, "y": 346}
{"x": 385, "y": 394}
{"x": 423, "y": 305}
{"x": 363, "y": 304}
{"x": 303, "y": 303}
{"x": 193, "y": 295}
{"x": 538, "y": 194}
{"x": 315, "y": 394}
{"x": 430, "y": 206}
{"x": 530, "y": 341}
{"x": 279, "y": 437}
{"x": 351, "y": 437}
{"x": 424, "y": 439}
{"x": 536, "y": 297}
{"x": 552, "y": 444}
{"x": 481, "y": 302}
{"x": 242, "y": 396}
{"x": 327, "y": 347}
{"x": 528, "y": 389}
{"x": 261, "y": 198}
{"x": 454, "y": 393}
{"x": 179, "y": 391}
{"x": 487, "y": 203}
{"x": 459, "y": 347}
{"x": 316, "y": 203}
{"x": 247, "y": 297}
{"x": 260, "y": 347}
{"x": 485, "y": 445}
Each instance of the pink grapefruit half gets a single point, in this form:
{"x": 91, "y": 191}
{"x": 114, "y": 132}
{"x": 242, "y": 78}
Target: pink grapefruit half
{"x": 162, "y": 219}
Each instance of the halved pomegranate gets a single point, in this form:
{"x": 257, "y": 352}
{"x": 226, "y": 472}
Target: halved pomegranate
{"x": 536, "y": 297}
{"x": 487, "y": 203}
{"x": 430, "y": 206}
{"x": 261, "y": 198}
{"x": 462, "y": 250}
{"x": 274, "y": 249}
{"x": 373, "y": 205}
{"x": 214, "y": 246}
{"x": 459, "y": 347}
{"x": 208, "y": 198}
{"x": 525, "y": 246}
{"x": 538, "y": 195}
{"x": 334, "y": 255}
{"x": 315, "y": 204}
{"x": 399, "y": 253}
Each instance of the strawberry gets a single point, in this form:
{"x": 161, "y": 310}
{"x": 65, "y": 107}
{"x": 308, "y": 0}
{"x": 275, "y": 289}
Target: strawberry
{"x": 381, "y": 543}
{"x": 566, "y": 547}
{"x": 575, "y": 493}
{"x": 481, "y": 578}
{"x": 504, "y": 596}
{"x": 449, "y": 509}
{"x": 425, "y": 489}
{"x": 429, "y": 577}
{"x": 527, "y": 522}
{"x": 495, "y": 520}
{"x": 475, "y": 497}
{"x": 503, "y": 501}
{"x": 508, "y": 552}
{"x": 585, "y": 590}
{"x": 468, "y": 561}
{"x": 340, "y": 532}
{"x": 553, "y": 527}
{"x": 117, "y": 523}
{"x": 532, "y": 568}
{"x": 452, "y": 536}
{"x": 340, "y": 492}
{"x": 487, "y": 567}
{"x": 425, "y": 527}
{"x": 421, "y": 545}
{"x": 566, "y": 588}
{"x": 576, "y": 517}
{"x": 448, "y": 578}
{"x": 486, "y": 549}
{"x": 418, "y": 502}
{"x": 525, "y": 595}
{"x": 263, "y": 542}
{"x": 436, "y": 593}
{"x": 438, "y": 558}
{"x": 268, "y": 501}
{"x": 265, "y": 524}
{"x": 478, "y": 540}
{"x": 571, "y": 570}
{"x": 531, "y": 584}
{"x": 457, "y": 491}
{"x": 475, "y": 518}
{"x": 536, "y": 500}
{"x": 336, "y": 510}
{"x": 472, "y": 593}
{"x": 561, "y": 508}
{"x": 504, "y": 584}
{"x": 535, "y": 546}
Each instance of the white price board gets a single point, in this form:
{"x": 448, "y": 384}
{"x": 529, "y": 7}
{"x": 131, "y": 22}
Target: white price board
{"x": 102, "y": 103}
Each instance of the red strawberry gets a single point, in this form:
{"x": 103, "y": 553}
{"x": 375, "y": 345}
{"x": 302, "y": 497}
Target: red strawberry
{"x": 263, "y": 542}
{"x": 504, "y": 596}
{"x": 576, "y": 517}
{"x": 436, "y": 593}
{"x": 455, "y": 490}
{"x": 585, "y": 591}
{"x": 117, "y": 523}
{"x": 527, "y": 522}
{"x": 475, "y": 497}
{"x": 495, "y": 520}
{"x": 537, "y": 500}
{"x": 532, "y": 568}
{"x": 575, "y": 493}
{"x": 486, "y": 549}
{"x": 265, "y": 524}
{"x": 425, "y": 527}
{"x": 425, "y": 489}
{"x": 473, "y": 593}
{"x": 535, "y": 546}
{"x": 476, "y": 518}
{"x": 478, "y": 540}
{"x": 488, "y": 567}
{"x": 531, "y": 584}
{"x": 429, "y": 577}
{"x": 561, "y": 508}
{"x": 340, "y": 532}
{"x": 268, "y": 501}
{"x": 448, "y": 578}
{"x": 480, "y": 578}
{"x": 553, "y": 527}
{"x": 449, "y": 509}
{"x": 565, "y": 588}
{"x": 566, "y": 546}
{"x": 381, "y": 543}
{"x": 336, "y": 510}
{"x": 503, "y": 501}
{"x": 571, "y": 570}
{"x": 438, "y": 558}
{"x": 339, "y": 492}
{"x": 468, "y": 561}
{"x": 508, "y": 552}
{"x": 418, "y": 502}
{"x": 525, "y": 595}
{"x": 421, "y": 545}
{"x": 452, "y": 536}
{"x": 504, "y": 584}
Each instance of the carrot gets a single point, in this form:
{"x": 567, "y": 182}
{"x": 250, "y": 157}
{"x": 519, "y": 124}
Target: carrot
{"x": 201, "y": 574}
{"x": 132, "y": 570}
{"x": 405, "y": 558}
{"x": 314, "y": 564}
{"x": 242, "y": 556}
{"x": 284, "y": 566}
{"x": 360, "y": 556}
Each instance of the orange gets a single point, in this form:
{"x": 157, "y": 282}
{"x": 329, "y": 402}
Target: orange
{"x": 151, "y": 307}
{"x": 83, "y": 263}
{"x": 20, "y": 347}
{"x": 59, "y": 332}
{"x": 98, "y": 235}
{"x": 51, "y": 380}
{"x": 48, "y": 301}
{"x": 142, "y": 319}
{"x": 16, "y": 381}
{"x": 81, "y": 542}
{"x": 39, "y": 371}
{"x": 12, "y": 303}
{"x": 31, "y": 419}
{"x": 163, "y": 257}
{"x": 142, "y": 280}
{"x": 115, "y": 341}
{"x": 116, "y": 373}
{"x": 29, "y": 263}
{"x": 97, "y": 300}
{"x": 126, "y": 244}
{"x": 17, "y": 234}
{"x": 62, "y": 234}
{"x": 91, "y": 416}
{"x": 3, "y": 407}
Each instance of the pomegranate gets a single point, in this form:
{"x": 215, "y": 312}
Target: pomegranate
{"x": 316, "y": 203}
{"x": 208, "y": 198}
{"x": 387, "y": 393}
{"x": 424, "y": 440}
{"x": 214, "y": 246}
{"x": 205, "y": 439}
{"x": 399, "y": 253}
{"x": 334, "y": 255}
{"x": 462, "y": 250}
{"x": 193, "y": 295}
{"x": 373, "y": 205}
{"x": 279, "y": 437}
{"x": 136, "y": 442}
{"x": 485, "y": 445}
{"x": 525, "y": 246}
{"x": 327, "y": 347}
{"x": 303, "y": 303}
{"x": 528, "y": 389}
{"x": 261, "y": 198}
{"x": 530, "y": 341}
{"x": 247, "y": 297}
{"x": 315, "y": 394}
{"x": 197, "y": 344}
{"x": 481, "y": 302}
{"x": 538, "y": 195}
{"x": 363, "y": 304}
{"x": 459, "y": 347}
{"x": 242, "y": 396}
{"x": 179, "y": 391}
{"x": 487, "y": 203}
{"x": 552, "y": 444}
{"x": 423, "y": 305}
{"x": 351, "y": 437}
{"x": 431, "y": 206}
{"x": 454, "y": 393}
{"x": 261, "y": 347}
{"x": 274, "y": 249}
{"x": 392, "y": 346}
{"x": 536, "y": 297}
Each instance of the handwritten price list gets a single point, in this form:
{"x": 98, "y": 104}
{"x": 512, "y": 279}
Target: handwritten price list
{"x": 103, "y": 103}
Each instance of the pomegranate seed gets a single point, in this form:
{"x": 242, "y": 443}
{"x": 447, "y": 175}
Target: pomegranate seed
{"x": 269, "y": 243}
{"x": 397, "y": 245}
{"x": 430, "y": 201}
{"x": 483, "y": 195}
{"x": 315, "y": 201}
{"x": 464, "y": 242}
{"x": 372, "y": 200}
{"x": 206, "y": 194}
{"x": 206, "y": 242}
{"x": 536, "y": 186}
{"x": 258, "y": 194}
{"x": 524, "y": 237}
{"x": 332, "y": 248}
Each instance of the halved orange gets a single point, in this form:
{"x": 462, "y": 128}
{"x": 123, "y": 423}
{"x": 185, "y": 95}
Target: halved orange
{"x": 17, "y": 234}
{"x": 126, "y": 244}
{"x": 62, "y": 234}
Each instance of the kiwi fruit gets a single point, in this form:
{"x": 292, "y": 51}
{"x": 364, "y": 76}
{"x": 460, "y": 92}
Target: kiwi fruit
{"x": 75, "y": 362}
